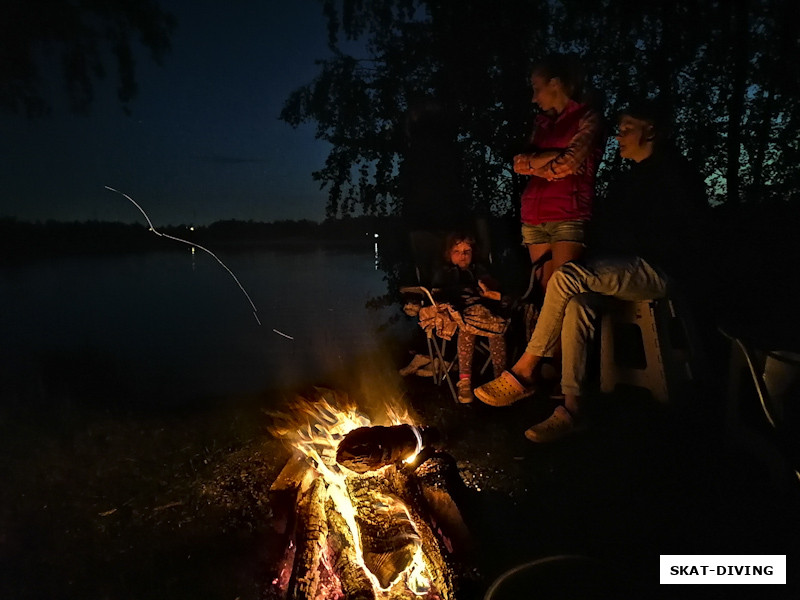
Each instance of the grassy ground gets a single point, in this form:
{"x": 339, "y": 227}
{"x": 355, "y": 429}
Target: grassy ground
{"x": 172, "y": 502}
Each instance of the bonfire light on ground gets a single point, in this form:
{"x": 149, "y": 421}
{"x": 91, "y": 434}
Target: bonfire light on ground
{"x": 319, "y": 429}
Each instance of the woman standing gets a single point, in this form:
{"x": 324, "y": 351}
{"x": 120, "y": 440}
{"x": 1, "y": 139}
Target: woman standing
{"x": 565, "y": 150}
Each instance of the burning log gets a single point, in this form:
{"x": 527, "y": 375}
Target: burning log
{"x": 371, "y": 448}
{"x": 295, "y": 475}
{"x": 313, "y": 529}
{"x": 388, "y": 537}
{"x": 356, "y": 585}
{"x": 407, "y": 486}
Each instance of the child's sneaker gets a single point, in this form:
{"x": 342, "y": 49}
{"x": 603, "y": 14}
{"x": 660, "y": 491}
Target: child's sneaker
{"x": 464, "y": 391}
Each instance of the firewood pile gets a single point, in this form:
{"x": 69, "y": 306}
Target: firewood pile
{"x": 390, "y": 531}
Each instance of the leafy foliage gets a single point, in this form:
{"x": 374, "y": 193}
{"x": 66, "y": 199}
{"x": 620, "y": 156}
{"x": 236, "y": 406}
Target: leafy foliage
{"x": 724, "y": 66}
{"x": 84, "y": 35}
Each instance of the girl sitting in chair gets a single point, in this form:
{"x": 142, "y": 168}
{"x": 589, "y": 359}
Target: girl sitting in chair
{"x": 468, "y": 287}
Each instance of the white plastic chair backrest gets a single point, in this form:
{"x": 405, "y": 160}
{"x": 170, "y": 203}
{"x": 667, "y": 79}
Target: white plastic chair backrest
{"x": 782, "y": 381}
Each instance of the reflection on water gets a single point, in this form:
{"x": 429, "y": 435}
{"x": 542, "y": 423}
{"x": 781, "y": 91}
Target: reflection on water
{"x": 176, "y": 323}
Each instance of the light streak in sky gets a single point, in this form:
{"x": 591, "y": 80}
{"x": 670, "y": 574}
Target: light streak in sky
{"x": 193, "y": 245}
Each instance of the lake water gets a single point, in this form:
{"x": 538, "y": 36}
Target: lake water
{"x": 176, "y": 323}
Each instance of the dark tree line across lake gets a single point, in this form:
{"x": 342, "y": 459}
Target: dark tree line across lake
{"x": 22, "y": 239}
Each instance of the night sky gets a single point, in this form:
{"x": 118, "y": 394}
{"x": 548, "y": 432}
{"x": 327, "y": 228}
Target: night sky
{"x": 203, "y": 142}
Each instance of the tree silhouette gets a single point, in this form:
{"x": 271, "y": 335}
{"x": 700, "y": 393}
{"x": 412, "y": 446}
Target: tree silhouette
{"x": 726, "y": 67}
{"x": 84, "y": 36}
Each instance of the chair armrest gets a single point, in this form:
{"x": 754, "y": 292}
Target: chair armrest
{"x": 420, "y": 291}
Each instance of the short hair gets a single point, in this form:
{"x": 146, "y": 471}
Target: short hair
{"x": 654, "y": 111}
{"x": 454, "y": 239}
{"x": 568, "y": 68}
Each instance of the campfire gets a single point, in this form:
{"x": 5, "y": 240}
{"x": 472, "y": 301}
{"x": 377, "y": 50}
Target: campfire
{"x": 368, "y": 508}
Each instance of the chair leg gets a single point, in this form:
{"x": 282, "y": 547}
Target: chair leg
{"x": 432, "y": 356}
{"x": 651, "y": 375}
{"x": 445, "y": 368}
{"x": 488, "y": 361}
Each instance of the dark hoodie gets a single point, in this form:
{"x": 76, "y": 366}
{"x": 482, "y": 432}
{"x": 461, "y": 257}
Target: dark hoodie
{"x": 657, "y": 210}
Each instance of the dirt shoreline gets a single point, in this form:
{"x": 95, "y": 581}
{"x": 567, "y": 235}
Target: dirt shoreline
{"x": 175, "y": 504}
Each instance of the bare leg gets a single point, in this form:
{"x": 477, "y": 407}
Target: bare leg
{"x": 536, "y": 252}
{"x": 525, "y": 367}
{"x": 561, "y": 251}
{"x": 549, "y": 324}
{"x": 565, "y": 252}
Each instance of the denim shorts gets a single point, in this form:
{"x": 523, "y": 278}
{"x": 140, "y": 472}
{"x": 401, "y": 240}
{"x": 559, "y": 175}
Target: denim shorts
{"x": 554, "y": 231}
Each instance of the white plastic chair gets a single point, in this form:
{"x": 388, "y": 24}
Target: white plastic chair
{"x": 775, "y": 375}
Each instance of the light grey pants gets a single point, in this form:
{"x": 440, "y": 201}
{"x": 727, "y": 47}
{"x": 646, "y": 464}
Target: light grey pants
{"x": 570, "y": 312}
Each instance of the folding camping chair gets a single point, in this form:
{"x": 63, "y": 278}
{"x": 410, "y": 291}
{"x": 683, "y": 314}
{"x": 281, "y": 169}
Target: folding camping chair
{"x": 426, "y": 248}
{"x": 437, "y": 346}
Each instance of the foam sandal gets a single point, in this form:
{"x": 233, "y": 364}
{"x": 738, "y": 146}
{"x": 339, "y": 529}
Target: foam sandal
{"x": 558, "y": 425}
{"x": 502, "y": 391}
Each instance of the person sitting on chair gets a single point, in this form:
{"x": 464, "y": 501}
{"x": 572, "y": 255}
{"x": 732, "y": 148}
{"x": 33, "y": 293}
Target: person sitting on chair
{"x": 468, "y": 287}
{"x": 661, "y": 202}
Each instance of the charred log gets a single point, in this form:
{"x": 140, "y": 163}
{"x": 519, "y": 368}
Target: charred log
{"x": 371, "y": 448}
{"x": 283, "y": 492}
{"x": 441, "y": 576}
{"x": 312, "y": 529}
{"x": 406, "y": 485}
{"x": 443, "y": 490}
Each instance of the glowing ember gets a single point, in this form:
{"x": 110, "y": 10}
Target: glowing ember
{"x": 360, "y": 531}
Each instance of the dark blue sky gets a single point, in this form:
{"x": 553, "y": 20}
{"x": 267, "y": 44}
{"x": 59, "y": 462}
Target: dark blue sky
{"x": 204, "y": 141}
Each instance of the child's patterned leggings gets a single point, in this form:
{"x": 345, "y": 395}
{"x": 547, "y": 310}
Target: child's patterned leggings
{"x": 466, "y": 349}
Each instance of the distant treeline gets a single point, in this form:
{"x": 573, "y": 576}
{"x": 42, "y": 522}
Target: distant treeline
{"x": 20, "y": 239}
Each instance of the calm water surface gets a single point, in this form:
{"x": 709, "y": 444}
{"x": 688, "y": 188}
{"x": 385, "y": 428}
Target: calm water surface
{"x": 177, "y": 323}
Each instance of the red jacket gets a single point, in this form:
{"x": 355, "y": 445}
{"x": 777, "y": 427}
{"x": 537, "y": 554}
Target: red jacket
{"x": 577, "y": 131}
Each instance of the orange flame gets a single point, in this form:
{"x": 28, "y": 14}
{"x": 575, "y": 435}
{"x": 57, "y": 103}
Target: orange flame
{"x": 315, "y": 428}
